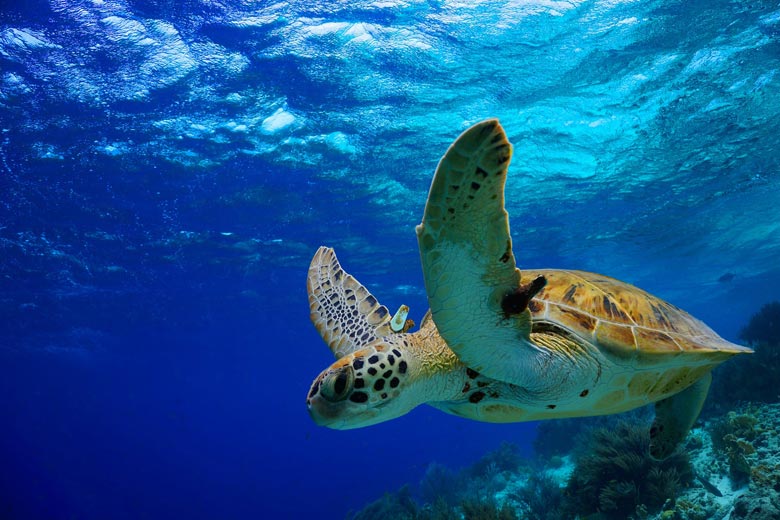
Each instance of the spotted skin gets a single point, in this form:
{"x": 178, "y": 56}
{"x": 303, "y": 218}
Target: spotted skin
{"x": 361, "y": 384}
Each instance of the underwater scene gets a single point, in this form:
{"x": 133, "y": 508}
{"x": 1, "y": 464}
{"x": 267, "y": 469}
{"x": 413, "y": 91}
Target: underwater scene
{"x": 223, "y": 223}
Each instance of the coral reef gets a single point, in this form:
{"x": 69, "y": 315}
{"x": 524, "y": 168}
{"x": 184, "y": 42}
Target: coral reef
{"x": 733, "y": 472}
{"x": 617, "y": 478}
{"x": 392, "y": 506}
{"x": 764, "y": 326}
{"x": 750, "y": 378}
{"x": 732, "y": 436}
{"x": 440, "y": 483}
{"x": 487, "y": 509}
{"x": 541, "y": 498}
{"x": 506, "y": 458}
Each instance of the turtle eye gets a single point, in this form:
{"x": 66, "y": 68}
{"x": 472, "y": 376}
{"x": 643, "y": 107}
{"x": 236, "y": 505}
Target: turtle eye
{"x": 337, "y": 385}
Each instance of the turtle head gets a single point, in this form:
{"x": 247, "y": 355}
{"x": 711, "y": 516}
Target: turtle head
{"x": 366, "y": 387}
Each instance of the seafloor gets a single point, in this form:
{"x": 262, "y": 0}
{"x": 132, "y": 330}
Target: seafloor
{"x": 600, "y": 468}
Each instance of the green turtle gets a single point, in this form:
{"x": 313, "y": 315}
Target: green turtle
{"x": 496, "y": 346}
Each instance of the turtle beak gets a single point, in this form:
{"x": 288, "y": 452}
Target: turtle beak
{"x": 336, "y": 415}
{"x": 337, "y": 412}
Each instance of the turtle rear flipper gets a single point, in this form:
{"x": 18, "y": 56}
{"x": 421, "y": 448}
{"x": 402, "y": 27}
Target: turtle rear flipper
{"x": 674, "y": 417}
{"x": 345, "y": 313}
{"x": 468, "y": 264}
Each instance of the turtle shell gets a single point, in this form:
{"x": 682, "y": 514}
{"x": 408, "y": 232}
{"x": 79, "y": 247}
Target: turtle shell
{"x": 621, "y": 319}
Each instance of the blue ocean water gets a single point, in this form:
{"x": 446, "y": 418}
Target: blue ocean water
{"x": 167, "y": 170}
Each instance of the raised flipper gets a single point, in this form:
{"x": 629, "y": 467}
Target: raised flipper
{"x": 345, "y": 314}
{"x": 674, "y": 417}
{"x": 473, "y": 285}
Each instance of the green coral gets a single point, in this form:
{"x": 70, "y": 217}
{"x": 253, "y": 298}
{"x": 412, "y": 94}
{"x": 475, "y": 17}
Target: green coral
{"x": 487, "y": 509}
{"x": 615, "y": 476}
{"x": 541, "y": 498}
{"x": 392, "y": 506}
{"x": 442, "y": 483}
{"x": 505, "y": 458}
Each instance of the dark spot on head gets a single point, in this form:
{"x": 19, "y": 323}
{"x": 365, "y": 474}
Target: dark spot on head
{"x": 372, "y": 371}
{"x": 471, "y": 373}
{"x": 391, "y": 360}
{"x": 398, "y": 354}
{"x": 373, "y": 359}
{"x": 584, "y": 393}
{"x": 466, "y": 387}
{"x": 359, "y": 383}
{"x": 482, "y": 384}
{"x": 394, "y": 382}
{"x": 379, "y": 384}
{"x": 551, "y": 406}
{"x": 475, "y": 186}
{"x": 357, "y": 364}
{"x": 402, "y": 367}
{"x": 450, "y": 210}
{"x": 381, "y": 365}
{"x": 364, "y": 337}
{"x": 387, "y": 374}
{"x": 482, "y": 173}
{"x": 358, "y": 397}
{"x": 384, "y": 395}
{"x": 476, "y": 397}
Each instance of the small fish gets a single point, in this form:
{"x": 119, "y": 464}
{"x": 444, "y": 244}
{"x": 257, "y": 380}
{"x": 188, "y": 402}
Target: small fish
{"x": 709, "y": 486}
{"x": 727, "y": 277}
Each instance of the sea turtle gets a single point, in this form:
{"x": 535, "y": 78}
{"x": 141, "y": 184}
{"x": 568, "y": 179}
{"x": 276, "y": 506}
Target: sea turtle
{"x": 496, "y": 348}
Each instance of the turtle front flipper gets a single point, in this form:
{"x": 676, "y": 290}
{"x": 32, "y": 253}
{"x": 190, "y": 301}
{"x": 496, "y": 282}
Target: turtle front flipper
{"x": 344, "y": 312}
{"x": 674, "y": 417}
{"x": 471, "y": 278}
